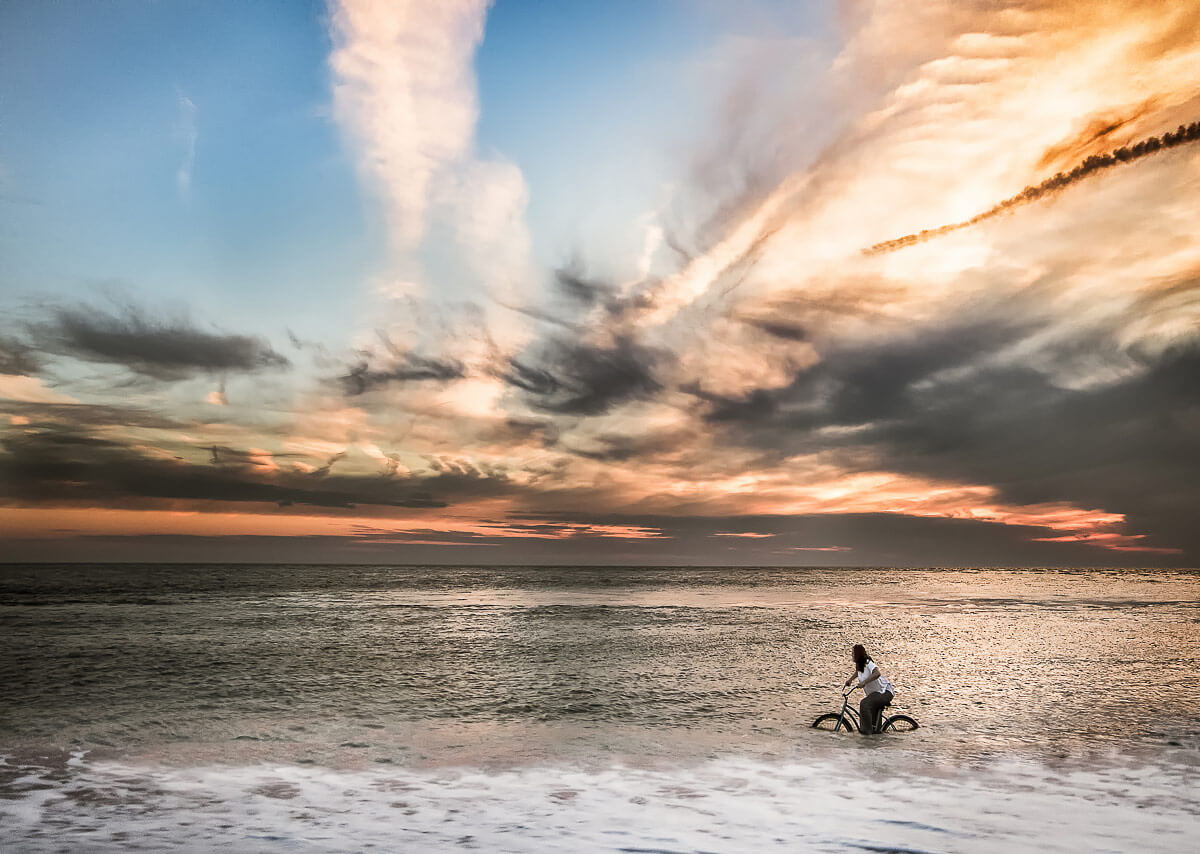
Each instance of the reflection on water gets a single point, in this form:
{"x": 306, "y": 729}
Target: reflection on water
{"x": 308, "y": 659}
{"x": 335, "y": 708}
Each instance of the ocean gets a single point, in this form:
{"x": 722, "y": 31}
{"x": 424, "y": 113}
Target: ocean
{"x": 347, "y": 708}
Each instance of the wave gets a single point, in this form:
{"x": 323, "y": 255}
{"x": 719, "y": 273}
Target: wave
{"x": 869, "y": 799}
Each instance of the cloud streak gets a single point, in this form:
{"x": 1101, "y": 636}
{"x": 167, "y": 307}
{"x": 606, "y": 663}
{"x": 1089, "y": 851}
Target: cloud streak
{"x": 162, "y": 348}
{"x": 408, "y": 368}
{"x": 1060, "y": 181}
{"x": 78, "y": 467}
{"x": 189, "y": 134}
{"x": 404, "y": 88}
{"x": 405, "y": 93}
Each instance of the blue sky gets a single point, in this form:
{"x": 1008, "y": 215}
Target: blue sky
{"x": 273, "y": 211}
{"x": 591, "y": 101}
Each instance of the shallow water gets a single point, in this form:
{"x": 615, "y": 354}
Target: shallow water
{"x": 297, "y": 701}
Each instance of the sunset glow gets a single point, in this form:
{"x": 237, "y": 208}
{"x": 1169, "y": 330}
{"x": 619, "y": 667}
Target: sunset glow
{"x": 876, "y": 284}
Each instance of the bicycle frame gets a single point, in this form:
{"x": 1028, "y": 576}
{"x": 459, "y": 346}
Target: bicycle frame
{"x": 847, "y": 711}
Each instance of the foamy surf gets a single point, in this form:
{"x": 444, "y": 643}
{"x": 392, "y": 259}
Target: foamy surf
{"x": 865, "y": 801}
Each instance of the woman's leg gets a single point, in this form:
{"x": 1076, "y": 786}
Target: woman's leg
{"x": 868, "y": 711}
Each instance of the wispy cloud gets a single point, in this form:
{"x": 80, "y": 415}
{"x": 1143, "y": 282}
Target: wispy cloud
{"x": 404, "y": 88}
{"x": 405, "y": 92}
{"x": 17, "y": 357}
{"x": 188, "y": 133}
{"x": 166, "y": 348}
{"x": 1090, "y": 166}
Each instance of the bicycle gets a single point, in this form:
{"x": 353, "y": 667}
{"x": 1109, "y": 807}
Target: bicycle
{"x": 847, "y": 719}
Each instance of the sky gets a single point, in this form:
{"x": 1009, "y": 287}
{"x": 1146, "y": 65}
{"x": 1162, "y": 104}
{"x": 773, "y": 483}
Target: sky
{"x": 650, "y": 283}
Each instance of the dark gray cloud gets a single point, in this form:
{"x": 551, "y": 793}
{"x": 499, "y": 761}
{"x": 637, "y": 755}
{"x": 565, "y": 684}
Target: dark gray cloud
{"x": 18, "y": 358}
{"x": 579, "y": 378}
{"x": 779, "y": 328}
{"x": 935, "y": 405}
{"x": 389, "y": 363}
{"x": 165, "y": 349}
{"x": 84, "y": 415}
{"x": 406, "y": 368}
{"x": 863, "y": 385}
{"x": 757, "y": 406}
{"x": 575, "y": 284}
{"x": 224, "y": 455}
{"x": 536, "y": 381}
{"x": 618, "y": 447}
{"x": 66, "y": 465}
{"x": 1130, "y": 446}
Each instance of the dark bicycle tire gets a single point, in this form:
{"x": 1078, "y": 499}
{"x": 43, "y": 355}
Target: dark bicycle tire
{"x": 900, "y": 723}
{"x": 829, "y": 721}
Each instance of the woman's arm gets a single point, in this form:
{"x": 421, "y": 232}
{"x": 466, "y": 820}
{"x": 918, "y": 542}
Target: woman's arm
{"x": 875, "y": 674}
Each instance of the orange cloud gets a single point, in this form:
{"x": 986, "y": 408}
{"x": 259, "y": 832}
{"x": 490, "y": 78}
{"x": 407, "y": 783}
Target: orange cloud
{"x": 1112, "y": 541}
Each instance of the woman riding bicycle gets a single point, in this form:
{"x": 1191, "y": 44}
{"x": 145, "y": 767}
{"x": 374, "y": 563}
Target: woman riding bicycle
{"x": 877, "y": 690}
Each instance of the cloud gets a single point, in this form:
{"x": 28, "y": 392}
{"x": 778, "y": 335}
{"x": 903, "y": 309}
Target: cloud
{"x": 780, "y": 329}
{"x": 163, "y": 348}
{"x": 25, "y": 389}
{"x": 1090, "y": 166}
{"x": 69, "y": 466}
{"x": 853, "y": 540}
{"x": 404, "y": 88}
{"x": 612, "y": 447}
{"x": 51, "y": 414}
{"x": 405, "y": 92}
{"x": 945, "y": 406}
{"x": 409, "y": 367}
{"x": 188, "y": 132}
{"x": 17, "y": 358}
{"x": 575, "y": 284}
{"x": 497, "y": 532}
{"x": 587, "y": 379}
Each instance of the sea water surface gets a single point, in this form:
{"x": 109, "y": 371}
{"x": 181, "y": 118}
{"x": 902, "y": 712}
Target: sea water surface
{"x": 337, "y": 708}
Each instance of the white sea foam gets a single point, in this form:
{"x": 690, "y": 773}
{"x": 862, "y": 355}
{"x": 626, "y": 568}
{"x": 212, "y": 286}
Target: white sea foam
{"x": 867, "y": 801}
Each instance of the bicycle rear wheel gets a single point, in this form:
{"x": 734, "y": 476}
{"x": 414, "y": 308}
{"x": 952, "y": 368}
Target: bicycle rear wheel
{"x": 833, "y": 722}
{"x": 900, "y": 723}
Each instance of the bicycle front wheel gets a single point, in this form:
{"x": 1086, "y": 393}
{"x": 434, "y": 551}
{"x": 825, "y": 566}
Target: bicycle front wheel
{"x": 900, "y": 723}
{"x": 833, "y": 722}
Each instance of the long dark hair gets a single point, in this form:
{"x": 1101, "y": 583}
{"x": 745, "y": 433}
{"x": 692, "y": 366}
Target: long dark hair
{"x": 860, "y": 657}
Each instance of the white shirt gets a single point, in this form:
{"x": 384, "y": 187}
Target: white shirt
{"x": 880, "y": 685}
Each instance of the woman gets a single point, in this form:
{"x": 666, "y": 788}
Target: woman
{"x": 877, "y": 690}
